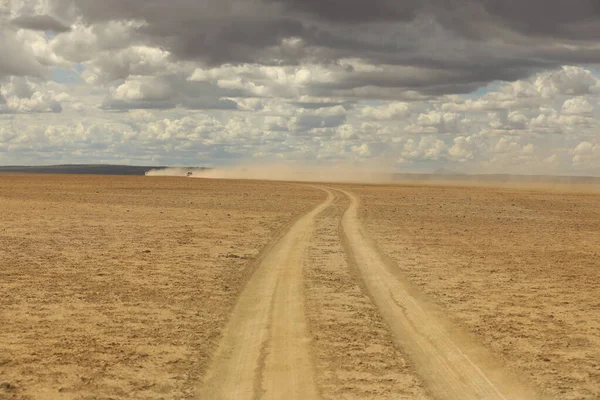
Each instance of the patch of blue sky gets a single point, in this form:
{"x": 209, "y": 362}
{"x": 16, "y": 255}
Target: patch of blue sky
{"x": 594, "y": 70}
{"x": 490, "y": 87}
{"x": 68, "y": 76}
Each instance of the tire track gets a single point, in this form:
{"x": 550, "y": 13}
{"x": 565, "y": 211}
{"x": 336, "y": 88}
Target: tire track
{"x": 264, "y": 351}
{"x": 355, "y": 354}
{"x": 451, "y": 363}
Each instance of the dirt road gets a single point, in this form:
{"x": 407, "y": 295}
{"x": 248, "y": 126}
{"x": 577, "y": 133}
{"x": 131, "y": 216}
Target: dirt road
{"x": 266, "y": 351}
{"x": 453, "y": 364}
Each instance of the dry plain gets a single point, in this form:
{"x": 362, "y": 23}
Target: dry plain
{"x": 118, "y": 287}
{"x": 518, "y": 266}
{"x": 151, "y": 288}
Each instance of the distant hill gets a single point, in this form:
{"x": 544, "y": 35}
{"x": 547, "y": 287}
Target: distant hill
{"x": 83, "y": 169}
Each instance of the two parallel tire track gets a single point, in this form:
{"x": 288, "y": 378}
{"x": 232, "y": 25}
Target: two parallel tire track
{"x": 265, "y": 350}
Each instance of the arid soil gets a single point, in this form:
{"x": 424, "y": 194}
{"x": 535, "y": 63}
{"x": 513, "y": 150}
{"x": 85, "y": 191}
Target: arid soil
{"x": 152, "y": 288}
{"x": 264, "y": 351}
{"x": 355, "y": 354}
{"x": 519, "y": 268}
{"x": 117, "y": 287}
{"x": 454, "y": 365}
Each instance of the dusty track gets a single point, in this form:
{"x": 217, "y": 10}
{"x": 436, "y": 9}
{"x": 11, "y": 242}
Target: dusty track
{"x": 264, "y": 351}
{"x": 451, "y": 363}
{"x": 355, "y": 354}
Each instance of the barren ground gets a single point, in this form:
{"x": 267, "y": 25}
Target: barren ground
{"x": 151, "y": 288}
{"x": 117, "y": 287}
{"x": 356, "y": 355}
{"x": 518, "y": 268}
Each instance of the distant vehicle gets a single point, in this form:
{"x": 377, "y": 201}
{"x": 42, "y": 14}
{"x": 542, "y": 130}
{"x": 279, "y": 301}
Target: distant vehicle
{"x": 189, "y": 173}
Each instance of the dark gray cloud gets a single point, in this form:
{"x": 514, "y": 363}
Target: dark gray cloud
{"x": 40, "y": 23}
{"x": 464, "y": 43}
{"x": 573, "y": 19}
{"x": 357, "y": 11}
{"x": 16, "y": 60}
{"x": 234, "y": 41}
{"x": 577, "y": 19}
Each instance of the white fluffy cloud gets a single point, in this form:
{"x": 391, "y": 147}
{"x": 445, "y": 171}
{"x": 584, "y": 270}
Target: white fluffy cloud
{"x": 569, "y": 80}
{"x": 585, "y": 155}
{"x": 424, "y": 148}
{"x": 577, "y": 106}
{"x": 393, "y": 110}
{"x": 463, "y": 148}
{"x": 420, "y": 135}
{"x": 21, "y": 95}
{"x": 113, "y": 81}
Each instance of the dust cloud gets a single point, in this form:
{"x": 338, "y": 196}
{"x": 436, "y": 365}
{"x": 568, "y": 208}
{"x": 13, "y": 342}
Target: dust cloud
{"x": 174, "y": 171}
{"x": 352, "y": 173}
{"x": 285, "y": 172}
{"x": 277, "y": 172}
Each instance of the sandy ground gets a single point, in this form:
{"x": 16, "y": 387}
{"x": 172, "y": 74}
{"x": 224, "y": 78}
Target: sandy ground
{"x": 119, "y": 287}
{"x": 355, "y": 353}
{"x": 454, "y": 365}
{"x": 520, "y": 269}
{"x": 264, "y": 350}
{"x": 190, "y": 288}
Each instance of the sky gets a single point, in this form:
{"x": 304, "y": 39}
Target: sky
{"x": 474, "y": 86}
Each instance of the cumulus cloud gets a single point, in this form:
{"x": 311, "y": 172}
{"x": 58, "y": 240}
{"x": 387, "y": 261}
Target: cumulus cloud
{"x": 585, "y": 155}
{"x": 17, "y": 59}
{"x": 329, "y": 117}
{"x": 473, "y": 84}
{"x": 21, "y": 95}
{"x": 427, "y": 148}
{"x": 568, "y": 80}
{"x": 432, "y": 47}
{"x": 439, "y": 122}
{"x": 393, "y": 110}
{"x": 577, "y": 106}
{"x": 166, "y": 92}
{"x": 463, "y": 148}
